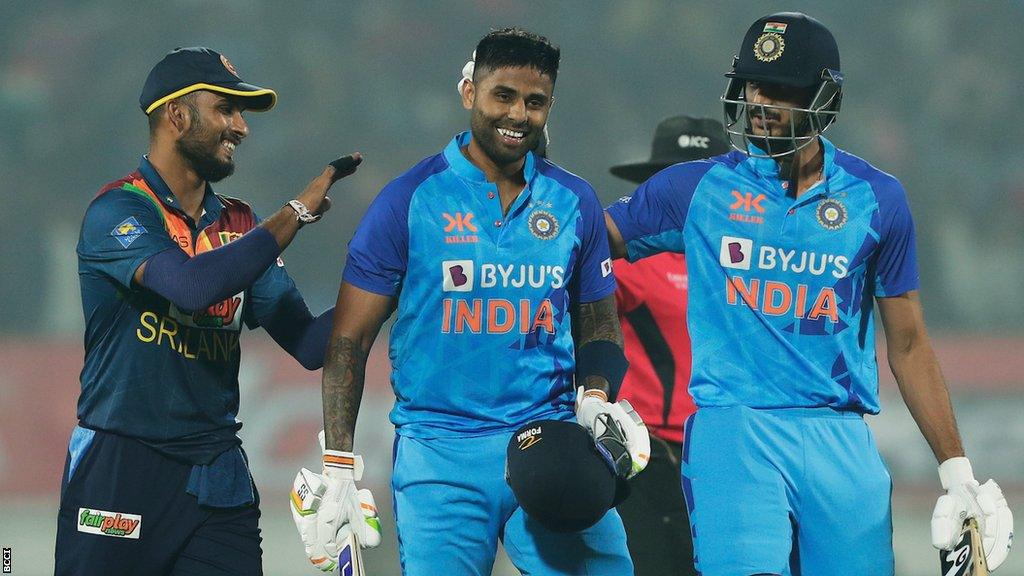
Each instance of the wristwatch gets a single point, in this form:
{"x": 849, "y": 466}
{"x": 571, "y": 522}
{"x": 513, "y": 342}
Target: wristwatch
{"x": 302, "y": 214}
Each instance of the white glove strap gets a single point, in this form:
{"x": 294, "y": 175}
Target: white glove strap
{"x": 302, "y": 214}
{"x": 955, "y": 471}
{"x": 343, "y": 465}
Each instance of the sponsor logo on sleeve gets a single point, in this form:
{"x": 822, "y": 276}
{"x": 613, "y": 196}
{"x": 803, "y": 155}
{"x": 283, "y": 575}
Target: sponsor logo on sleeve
{"x": 458, "y": 275}
{"x": 606, "y": 267}
{"x": 103, "y": 523}
{"x": 128, "y": 231}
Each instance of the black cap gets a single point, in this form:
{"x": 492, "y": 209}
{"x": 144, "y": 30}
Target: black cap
{"x": 186, "y": 70}
{"x": 677, "y": 139}
{"x": 787, "y": 48}
{"x": 558, "y": 476}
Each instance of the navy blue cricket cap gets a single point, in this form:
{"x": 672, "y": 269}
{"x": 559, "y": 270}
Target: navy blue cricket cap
{"x": 185, "y": 70}
{"x": 788, "y": 48}
{"x": 559, "y": 478}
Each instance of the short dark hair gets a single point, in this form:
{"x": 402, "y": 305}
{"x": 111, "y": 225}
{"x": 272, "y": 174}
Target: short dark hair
{"x": 514, "y": 47}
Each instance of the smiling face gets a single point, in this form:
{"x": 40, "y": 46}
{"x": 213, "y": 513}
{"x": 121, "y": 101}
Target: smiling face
{"x": 215, "y": 128}
{"x": 510, "y": 108}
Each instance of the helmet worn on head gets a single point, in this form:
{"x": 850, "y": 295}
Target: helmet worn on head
{"x": 787, "y": 49}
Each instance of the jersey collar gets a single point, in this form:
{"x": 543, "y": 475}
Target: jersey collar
{"x": 770, "y": 168}
{"x": 211, "y": 203}
{"x": 466, "y": 169}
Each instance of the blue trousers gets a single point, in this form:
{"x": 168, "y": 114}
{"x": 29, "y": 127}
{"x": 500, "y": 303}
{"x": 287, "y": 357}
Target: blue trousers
{"x": 452, "y": 506}
{"x": 787, "y": 491}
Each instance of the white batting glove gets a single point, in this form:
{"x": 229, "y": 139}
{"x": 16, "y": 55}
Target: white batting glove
{"x": 965, "y": 498}
{"x": 327, "y": 508}
{"x": 619, "y": 432}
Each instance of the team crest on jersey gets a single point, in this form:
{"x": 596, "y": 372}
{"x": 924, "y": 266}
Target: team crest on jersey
{"x": 543, "y": 224}
{"x": 831, "y": 214}
{"x": 128, "y": 231}
{"x": 769, "y": 47}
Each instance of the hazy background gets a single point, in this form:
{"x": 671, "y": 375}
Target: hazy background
{"x": 930, "y": 98}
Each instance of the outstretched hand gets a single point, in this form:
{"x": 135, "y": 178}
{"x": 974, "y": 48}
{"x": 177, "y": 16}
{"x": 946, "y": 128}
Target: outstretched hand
{"x": 315, "y": 197}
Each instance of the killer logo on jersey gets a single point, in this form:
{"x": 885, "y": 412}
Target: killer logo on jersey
{"x": 831, "y": 214}
{"x": 543, "y": 224}
{"x": 769, "y": 47}
{"x": 128, "y": 231}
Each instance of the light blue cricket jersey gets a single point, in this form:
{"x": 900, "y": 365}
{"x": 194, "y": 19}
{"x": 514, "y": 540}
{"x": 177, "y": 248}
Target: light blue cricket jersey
{"x": 482, "y": 341}
{"x": 781, "y": 289}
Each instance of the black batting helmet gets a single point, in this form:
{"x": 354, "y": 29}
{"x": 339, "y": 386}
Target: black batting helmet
{"x": 558, "y": 476}
{"x": 787, "y": 49}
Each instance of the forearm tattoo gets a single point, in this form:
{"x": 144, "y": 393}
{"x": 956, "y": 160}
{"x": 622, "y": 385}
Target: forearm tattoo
{"x": 344, "y": 374}
{"x": 599, "y": 321}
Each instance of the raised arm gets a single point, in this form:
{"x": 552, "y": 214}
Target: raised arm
{"x": 358, "y": 316}
{"x": 194, "y": 283}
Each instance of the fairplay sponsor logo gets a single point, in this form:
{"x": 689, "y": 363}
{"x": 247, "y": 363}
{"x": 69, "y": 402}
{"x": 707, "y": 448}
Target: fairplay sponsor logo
{"x": 105, "y": 523}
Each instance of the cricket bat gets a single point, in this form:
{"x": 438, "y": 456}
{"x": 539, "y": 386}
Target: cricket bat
{"x": 350, "y": 559}
{"x": 967, "y": 558}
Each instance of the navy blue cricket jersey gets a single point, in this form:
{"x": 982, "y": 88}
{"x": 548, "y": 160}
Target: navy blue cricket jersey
{"x": 152, "y": 371}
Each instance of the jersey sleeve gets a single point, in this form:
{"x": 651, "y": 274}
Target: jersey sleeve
{"x": 896, "y": 270}
{"x": 273, "y": 291}
{"x": 121, "y": 230}
{"x": 379, "y": 251}
{"x": 594, "y": 270}
{"x": 652, "y": 219}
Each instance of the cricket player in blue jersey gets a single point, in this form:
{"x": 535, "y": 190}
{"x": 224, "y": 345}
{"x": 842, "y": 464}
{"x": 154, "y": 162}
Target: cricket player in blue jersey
{"x": 484, "y": 249}
{"x": 791, "y": 242}
{"x": 156, "y": 481}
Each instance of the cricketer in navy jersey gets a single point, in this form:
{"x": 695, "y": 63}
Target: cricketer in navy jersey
{"x": 156, "y": 481}
{"x": 488, "y": 256}
{"x": 790, "y": 243}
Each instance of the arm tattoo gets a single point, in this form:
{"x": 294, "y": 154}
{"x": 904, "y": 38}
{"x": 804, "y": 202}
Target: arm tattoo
{"x": 344, "y": 373}
{"x": 599, "y": 321}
